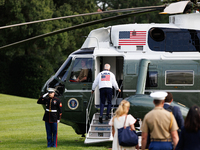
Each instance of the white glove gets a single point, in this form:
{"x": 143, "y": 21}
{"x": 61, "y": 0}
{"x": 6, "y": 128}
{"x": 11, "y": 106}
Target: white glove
{"x": 58, "y": 121}
{"x": 45, "y": 95}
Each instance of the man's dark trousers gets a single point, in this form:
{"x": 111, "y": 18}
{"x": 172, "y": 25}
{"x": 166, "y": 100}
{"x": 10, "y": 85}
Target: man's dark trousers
{"x": 105, "y": 93}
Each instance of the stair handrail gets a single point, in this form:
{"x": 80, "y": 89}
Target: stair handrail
{"x": 112, "y": 113}
{"x": 88, "y": 110}
{"x": 117, "y": 95}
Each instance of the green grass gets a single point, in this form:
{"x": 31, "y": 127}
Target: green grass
{"x": 22, "y": 128}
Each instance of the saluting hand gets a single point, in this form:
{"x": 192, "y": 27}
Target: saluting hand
{"x": 45, "y": 94}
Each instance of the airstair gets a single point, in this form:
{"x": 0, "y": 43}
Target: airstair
{"x": 99, "y": 132}
{"x": 102, "y": 132}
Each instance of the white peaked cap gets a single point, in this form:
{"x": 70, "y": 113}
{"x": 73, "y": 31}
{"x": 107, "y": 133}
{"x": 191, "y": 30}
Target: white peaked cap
{"x": 51, "y": 90}
{"x": 160, "y": 95}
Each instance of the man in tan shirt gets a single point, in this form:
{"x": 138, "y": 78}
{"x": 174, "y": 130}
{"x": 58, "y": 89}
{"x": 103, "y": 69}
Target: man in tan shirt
{"x": 161, "y": 125}
{"x": 84, "y": 72}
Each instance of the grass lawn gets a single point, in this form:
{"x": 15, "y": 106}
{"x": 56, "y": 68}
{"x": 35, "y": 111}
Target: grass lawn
{"x": 22, "y": 128}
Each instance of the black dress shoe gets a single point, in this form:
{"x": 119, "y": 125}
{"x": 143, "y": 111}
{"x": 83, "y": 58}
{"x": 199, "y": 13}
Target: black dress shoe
{"x": 100, "y": 119}
{"x": 107, "y": 117}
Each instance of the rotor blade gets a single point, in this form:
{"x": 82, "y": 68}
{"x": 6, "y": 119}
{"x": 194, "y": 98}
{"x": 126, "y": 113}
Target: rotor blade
{"x": 78, "y": 26}
{"x": 175, "y": 8}
{"x": 79, "y": 15}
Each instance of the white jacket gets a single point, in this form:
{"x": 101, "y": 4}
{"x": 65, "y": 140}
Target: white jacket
{"x": 105, "y": 79}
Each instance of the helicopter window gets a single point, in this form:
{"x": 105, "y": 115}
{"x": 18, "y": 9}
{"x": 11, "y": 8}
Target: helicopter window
{"x": 82, "y": 70}
{"x": 53, "y": 83}
{"x": 174, "y": 40}
{"x": 62, "y": 75}
{"x": 57, "y": 85}
{"x": 152, "y": 79}
{"x": 179, "y": 77}
{"x": 181, "y": 41}
{"x": 85, "y": 51}
{"x": 65, "y": 69}
{"x": 157, "y": 34}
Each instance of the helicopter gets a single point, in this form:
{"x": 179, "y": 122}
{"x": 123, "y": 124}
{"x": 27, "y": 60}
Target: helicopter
{"x": 144, "y": 58}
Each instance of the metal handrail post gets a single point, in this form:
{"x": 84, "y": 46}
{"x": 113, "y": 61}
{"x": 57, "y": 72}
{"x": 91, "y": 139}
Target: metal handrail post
{"x": 117, "y": 96}
{"x": 86, "y": 120}
{"x": 88, "y": 109}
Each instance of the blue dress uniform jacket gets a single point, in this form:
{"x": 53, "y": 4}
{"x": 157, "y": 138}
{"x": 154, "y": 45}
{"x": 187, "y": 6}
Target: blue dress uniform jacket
{"x": 53, "y": 109}
{"x": 177, "y": 114}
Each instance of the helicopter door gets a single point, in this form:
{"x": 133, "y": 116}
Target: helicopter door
{"x": 116, "y": 64}
{"x": 78, "y": 84}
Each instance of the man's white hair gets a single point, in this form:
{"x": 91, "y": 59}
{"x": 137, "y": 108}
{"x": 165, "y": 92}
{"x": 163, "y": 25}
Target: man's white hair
{"x": 107, "y": 66}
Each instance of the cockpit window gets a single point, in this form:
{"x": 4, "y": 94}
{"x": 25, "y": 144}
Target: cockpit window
{"x": 61, "y": 75}
{"x": 82, "y": 70}
{"x": 65, "y": 69}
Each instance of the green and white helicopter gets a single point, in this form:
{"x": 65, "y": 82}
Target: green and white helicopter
{"x": 144, "y": 58}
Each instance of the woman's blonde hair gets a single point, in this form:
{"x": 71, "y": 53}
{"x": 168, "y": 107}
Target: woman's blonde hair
{"x": 122, "y": 109}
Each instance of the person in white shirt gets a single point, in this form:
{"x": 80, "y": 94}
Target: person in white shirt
{"x": 105, "y": 80}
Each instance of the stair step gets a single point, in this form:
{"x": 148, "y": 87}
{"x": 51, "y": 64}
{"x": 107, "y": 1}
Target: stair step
{"x": 100, "y": 128}
{"x": 100, "y": 125}
{"x": 96, "y": 121}
{"x": 98, "y": 137}
{"x": 99, "y": 134}
{"x": 99, "y": 131}
{"x": 103, "y": 117}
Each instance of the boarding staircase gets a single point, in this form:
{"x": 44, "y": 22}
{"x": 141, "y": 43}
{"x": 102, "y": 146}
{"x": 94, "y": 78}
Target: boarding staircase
{"x": 102, "y": 132}
{"x": 99, "y": 132}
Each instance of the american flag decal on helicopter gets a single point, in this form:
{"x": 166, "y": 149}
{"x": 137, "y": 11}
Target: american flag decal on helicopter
{"x": 132, "y": 38}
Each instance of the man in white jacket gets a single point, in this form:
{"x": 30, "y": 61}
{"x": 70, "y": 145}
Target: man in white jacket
{"x": 105, "y": 80}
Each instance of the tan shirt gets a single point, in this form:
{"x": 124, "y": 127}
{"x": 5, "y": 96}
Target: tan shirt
{"x": 158, "y": 122}
{"x": 83, "y": 73}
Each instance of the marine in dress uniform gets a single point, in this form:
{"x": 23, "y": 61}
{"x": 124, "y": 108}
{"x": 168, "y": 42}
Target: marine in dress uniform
{"x": 105, "y": 80}
{"x": 160, "y": 124}
{"x": 52, "y": 116}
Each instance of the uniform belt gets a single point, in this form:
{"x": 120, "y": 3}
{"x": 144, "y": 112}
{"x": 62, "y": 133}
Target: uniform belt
{"x": 51, "y": 110}
{"x": 161, "y": 140}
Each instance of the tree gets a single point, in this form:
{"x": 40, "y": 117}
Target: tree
{"x": 24, "y": 11}
{"x": 145, "y": 18}
{"x": 53, "y": 49}
{"x": 77, "y": 37}
{"x": 28, "y": 74}
{"x": 4, "y": 73}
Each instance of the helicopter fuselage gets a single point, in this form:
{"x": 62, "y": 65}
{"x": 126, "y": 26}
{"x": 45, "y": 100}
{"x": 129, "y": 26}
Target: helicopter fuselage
{"x": 144, "y": 58}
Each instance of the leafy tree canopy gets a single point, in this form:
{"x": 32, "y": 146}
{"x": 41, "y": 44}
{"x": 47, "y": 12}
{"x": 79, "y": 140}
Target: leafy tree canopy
{"x": 53, "y": 49}
{"x": 50, "y": 52}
